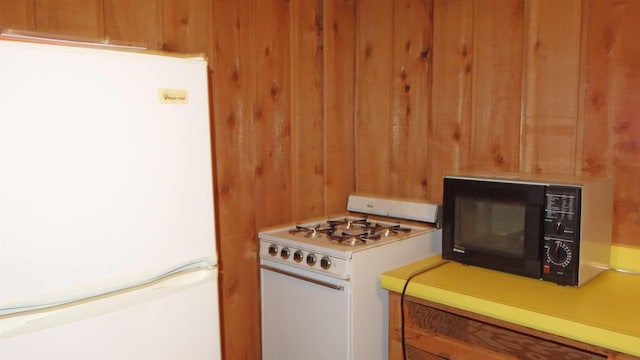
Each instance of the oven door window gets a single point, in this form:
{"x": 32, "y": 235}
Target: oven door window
{"x": 490, "y": 226}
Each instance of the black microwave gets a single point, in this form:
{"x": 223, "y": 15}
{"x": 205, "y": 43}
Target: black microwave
{"x": 555, "y": 229}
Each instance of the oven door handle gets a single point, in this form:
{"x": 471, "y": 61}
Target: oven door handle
{"x": 304, "y": 278}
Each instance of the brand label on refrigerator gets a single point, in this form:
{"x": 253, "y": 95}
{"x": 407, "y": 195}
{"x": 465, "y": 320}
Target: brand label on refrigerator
{"x": 173, "y": 96}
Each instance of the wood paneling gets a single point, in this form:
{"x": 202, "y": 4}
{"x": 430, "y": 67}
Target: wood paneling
{"x": 83, "y": 18}
{"x": 374, "y": 95}
{"x": 308, "y": 167}
{"x": 122, "y": 22}
{"x": 274, "y": 157}
{"x": 496, "y": 84}
{"x": 449, "y": 139}
{"x": 551, "y": 86}
{"x": 339, "y": 109}
{"x": 17, "y": 15}
{"x": 313, "y": 99}
{"x": 187, "y": 26}
{"x": 611, "y": 120}
{"x": 411, "y": 96}
{"x": 233, "y": 84}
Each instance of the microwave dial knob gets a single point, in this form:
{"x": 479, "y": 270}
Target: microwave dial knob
{"x": 273, "y": 250}
{"x": 559, "y": 254}
{"x": 559, "y": 227}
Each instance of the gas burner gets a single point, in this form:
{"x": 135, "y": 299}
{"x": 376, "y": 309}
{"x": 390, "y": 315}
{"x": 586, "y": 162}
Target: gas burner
{"x": 387, "y": 230}
{"x": 349, "y": 224}
{"x": 312, "y": 232}
{"x": 353, "y": 239}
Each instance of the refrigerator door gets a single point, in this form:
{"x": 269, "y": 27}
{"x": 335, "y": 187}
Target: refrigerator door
{"x": 106, "y": 169}
{"x": 106, "y": 179}
{"x": 176, "y": 318}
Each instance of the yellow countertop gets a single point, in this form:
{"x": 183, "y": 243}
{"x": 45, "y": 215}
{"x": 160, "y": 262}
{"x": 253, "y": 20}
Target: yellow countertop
{"x": 625, "y": 258}
{"x": 603, "y": 312}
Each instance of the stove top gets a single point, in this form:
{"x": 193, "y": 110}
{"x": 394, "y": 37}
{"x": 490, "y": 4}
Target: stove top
{"x": 351, "y": 231}
{"x": 341, "y": 236}
{"x": 327, "y": 245}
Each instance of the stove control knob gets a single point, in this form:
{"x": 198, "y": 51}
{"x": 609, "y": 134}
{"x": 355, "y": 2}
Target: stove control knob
{"x": 285, "y": 253}
{"x": 273, "y": 250}
{"x": 325, "y": 262}
{"x": 298, "y": 256}
{"x": 311, "y": 260}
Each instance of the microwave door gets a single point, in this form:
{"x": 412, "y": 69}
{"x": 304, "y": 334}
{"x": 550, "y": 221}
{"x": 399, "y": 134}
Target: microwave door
{"x": 493, "y": 225}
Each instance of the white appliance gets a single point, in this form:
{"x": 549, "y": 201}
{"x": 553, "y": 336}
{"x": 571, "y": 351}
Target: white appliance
{"x": 320, "y": 280}
{"x": 107, "y": 239}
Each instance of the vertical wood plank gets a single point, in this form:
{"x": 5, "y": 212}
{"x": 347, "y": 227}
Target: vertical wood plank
{"x": 626, "y": 226}
{"x": 497, "y": 84}
{"x": 374, "y": 67}
{"x": 595, "y": 127}
{"x": 233, "y": 95}
{"x": 187, "y": 26}
{"x": 552, "y": 62}
{"x": 17, "y": 14}
{"x": 339, "y": 102}
{"x": 611, "y": 128}
{"x": 306, "y": 108}
{"x": 411, "y": 108}
{"x": 83, "y": 18}
{"x": 395, "y": 324}
{"x": 450, "y": 122}
{"x": 134, "y": 22}
{"x": 273, "y": 116}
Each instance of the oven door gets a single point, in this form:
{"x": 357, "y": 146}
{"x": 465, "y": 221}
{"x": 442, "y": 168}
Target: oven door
{"x": 305, "y": 315}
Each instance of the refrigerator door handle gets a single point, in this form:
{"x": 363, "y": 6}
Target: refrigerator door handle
{"x": 13, "y": 319}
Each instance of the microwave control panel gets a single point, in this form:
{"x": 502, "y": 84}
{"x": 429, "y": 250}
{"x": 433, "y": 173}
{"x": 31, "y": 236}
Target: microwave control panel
{"x": 561, "y": 234}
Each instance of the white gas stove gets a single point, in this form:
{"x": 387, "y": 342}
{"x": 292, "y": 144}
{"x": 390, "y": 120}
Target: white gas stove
{"x": 320, "y": 279}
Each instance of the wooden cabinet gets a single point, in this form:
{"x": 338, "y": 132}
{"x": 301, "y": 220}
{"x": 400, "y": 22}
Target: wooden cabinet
{"x": 435, "y": 331}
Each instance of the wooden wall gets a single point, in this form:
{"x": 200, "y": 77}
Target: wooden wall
{"x": 313, "y": 99}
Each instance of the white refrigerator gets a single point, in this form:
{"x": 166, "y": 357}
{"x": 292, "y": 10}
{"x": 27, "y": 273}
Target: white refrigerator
{"x": 107, "y": 238}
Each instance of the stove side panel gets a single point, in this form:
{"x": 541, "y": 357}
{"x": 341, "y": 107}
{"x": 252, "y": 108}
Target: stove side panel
{"x": 370, "y": 301}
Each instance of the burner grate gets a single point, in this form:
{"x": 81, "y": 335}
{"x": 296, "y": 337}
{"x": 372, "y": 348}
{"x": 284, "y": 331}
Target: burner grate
{"x": 312, "y": 231}
{"x": 353, "y": 239}
{"x": 349, "y": 224}
{"x": 350, "y": 231}
{"x": 388, "y": 230}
